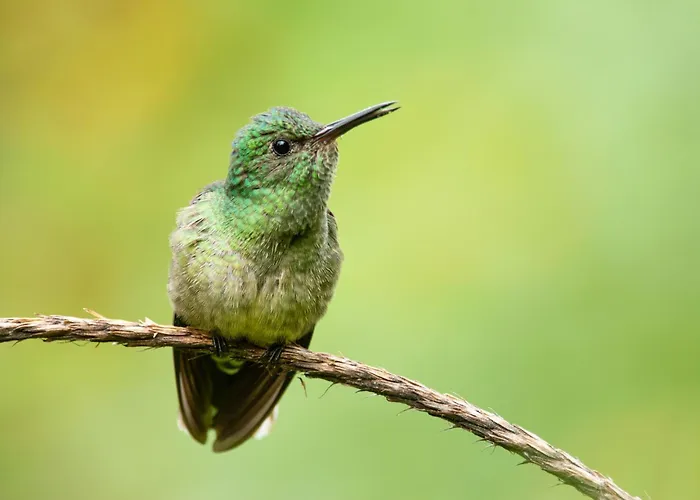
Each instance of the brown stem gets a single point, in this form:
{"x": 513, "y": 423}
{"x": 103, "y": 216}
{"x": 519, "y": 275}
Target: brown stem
{"x": 336, "y": 369}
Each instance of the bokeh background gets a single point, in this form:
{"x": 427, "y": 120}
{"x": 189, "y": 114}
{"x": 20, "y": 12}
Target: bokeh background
{"x": 525, "y": 233}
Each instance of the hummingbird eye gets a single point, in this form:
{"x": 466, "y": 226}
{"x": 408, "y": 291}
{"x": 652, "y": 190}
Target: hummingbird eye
{"x": 281, "y": 147}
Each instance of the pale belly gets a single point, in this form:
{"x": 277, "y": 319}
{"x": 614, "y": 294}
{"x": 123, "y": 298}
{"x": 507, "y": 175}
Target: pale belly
{"x": 215, "y": 289}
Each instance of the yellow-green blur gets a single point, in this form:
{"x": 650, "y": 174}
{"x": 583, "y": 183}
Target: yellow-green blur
{"x": 525, "y": 233}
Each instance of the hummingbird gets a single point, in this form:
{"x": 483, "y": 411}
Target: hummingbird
{"x": 256, "y": 257}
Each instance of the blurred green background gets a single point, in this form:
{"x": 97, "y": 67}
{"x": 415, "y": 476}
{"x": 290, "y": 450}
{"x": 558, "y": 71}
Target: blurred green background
{"x": 523, "y": 233}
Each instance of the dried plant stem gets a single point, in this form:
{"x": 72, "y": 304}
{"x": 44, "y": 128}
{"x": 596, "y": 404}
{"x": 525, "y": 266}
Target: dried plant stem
{"x": 336, "y": 369}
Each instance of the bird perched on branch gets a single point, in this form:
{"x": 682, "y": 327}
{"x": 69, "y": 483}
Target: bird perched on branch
{"x": 256, "y": 257}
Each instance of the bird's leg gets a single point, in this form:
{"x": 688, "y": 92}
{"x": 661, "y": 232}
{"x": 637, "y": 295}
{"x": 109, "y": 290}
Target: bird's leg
{"x": 221, "y": 346}
{"x": 273, "y": 353}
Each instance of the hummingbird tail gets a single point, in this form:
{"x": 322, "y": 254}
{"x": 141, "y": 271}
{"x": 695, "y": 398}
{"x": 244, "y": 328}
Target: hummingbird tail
{"x": 237, "y": 405}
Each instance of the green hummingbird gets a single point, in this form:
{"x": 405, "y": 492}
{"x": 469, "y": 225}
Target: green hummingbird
{"x": 256, "y": 257}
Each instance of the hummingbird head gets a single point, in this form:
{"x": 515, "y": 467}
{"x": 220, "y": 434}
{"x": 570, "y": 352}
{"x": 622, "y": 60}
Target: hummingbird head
{"x": 285, "y": 162}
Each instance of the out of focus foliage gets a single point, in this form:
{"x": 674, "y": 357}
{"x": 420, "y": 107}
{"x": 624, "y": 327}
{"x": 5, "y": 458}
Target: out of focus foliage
{"x": 524, "y": 233}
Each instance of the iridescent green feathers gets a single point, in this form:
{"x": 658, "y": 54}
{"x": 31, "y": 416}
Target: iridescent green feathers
{"x": 280, "y": 193}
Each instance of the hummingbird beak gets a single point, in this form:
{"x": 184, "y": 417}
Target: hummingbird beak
{"x": 337, "y": 128}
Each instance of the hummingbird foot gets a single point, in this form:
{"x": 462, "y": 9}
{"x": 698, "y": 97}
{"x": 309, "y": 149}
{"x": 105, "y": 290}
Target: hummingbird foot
{"x": 220, "y": 345}
{"x": 273, "y": 353}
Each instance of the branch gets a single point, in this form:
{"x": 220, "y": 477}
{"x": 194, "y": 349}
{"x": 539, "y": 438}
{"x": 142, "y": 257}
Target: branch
{"x": 459, "y": 413}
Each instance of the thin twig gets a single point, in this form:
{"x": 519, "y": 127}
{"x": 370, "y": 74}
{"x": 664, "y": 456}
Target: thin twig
{"x": 335, "y": 369}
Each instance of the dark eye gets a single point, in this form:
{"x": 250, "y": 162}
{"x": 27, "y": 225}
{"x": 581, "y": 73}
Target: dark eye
{"x": 281, "y": 147}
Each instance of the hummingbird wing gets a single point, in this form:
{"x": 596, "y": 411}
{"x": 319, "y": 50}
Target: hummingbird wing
{"x": 193, "y": 377}
{"x": 235, "y": 405}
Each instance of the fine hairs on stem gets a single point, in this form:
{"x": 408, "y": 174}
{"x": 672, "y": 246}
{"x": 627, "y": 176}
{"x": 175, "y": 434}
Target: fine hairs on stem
{"x": 338, "y": 370}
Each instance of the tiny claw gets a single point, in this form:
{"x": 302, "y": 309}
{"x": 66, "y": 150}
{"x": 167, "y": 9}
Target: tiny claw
{"x": 273, "y": 353}
{"x": 220, "y": 345}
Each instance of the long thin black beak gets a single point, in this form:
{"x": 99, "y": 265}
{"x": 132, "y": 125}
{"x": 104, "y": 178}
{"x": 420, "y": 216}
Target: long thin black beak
{"x": 339, "y": 127}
